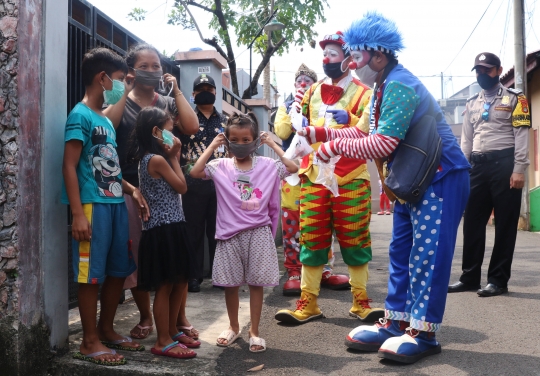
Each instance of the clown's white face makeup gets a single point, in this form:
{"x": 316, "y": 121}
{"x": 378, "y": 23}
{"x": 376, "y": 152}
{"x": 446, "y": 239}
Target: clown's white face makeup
{"x": 360, "y": 58}
{"x": 303, "y": 81}
{"x": 334, "y": 53}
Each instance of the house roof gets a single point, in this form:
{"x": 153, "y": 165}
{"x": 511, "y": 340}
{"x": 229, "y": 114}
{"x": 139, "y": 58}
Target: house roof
{"x": 532, "y": 63}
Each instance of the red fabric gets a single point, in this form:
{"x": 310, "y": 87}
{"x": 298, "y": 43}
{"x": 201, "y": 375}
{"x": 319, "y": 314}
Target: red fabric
{"x": 373, "y": 146}
{"x": 330, "y": 94}
{"x": 384, "y": 202}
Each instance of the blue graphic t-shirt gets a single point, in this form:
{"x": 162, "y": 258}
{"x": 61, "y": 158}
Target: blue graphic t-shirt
{"x": 98, "y": 171}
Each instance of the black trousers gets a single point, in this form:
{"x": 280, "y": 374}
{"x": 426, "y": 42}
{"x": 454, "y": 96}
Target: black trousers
{"x": 490, "y": 190}
{"x": 200, "y": 208}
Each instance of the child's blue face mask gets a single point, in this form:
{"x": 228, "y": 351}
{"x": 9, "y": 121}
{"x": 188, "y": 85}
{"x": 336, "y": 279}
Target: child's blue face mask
{"x": 115, "y": 94}
{"x": 168, "y": 137}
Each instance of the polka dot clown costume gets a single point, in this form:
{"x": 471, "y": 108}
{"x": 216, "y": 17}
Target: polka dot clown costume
{"x": 424, "y": 233}
{"x": 336, "y": 102}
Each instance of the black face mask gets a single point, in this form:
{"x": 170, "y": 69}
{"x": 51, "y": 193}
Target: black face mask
{"x": 333, "y": 70}
{"x": 486, "y": 82}
{"x": 205, "y": 97}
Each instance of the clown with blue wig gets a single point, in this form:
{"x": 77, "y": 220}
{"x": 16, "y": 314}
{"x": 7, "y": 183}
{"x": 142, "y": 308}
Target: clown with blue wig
{"x": 424, "y": 230}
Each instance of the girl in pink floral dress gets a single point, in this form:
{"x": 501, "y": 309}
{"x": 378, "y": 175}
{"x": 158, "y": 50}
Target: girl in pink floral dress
{"x": 248, "y": 192}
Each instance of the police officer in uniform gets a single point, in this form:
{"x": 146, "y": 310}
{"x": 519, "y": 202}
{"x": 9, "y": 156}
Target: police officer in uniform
{"x": 494, "y": 139}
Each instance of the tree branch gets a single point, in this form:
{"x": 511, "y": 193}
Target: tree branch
{"x": 200, "y": 6}
{"x": 252, "y": 88}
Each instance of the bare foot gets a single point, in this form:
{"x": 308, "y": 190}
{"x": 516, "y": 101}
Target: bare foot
{"x": 113, "y": 336}
{"x": 175, "y": 350}
{"x": 92, "y": 347}
{"x": 139, "y": 333}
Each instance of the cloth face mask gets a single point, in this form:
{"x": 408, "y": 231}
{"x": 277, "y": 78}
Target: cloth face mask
{"x": 115, "y": 94}
{"x": 486, "y": 82}
{"x": 243, "y": 150}
{"x": 148, "y": 78}
{"x": 367, "y": 75}
{"x": 168, "y": 137}
{"x": 333, "y": 70}
{"x": 205, "y": 97}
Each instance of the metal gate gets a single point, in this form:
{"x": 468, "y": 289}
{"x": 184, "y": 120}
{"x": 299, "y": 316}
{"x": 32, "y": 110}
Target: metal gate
{"x": 88, "y": 27}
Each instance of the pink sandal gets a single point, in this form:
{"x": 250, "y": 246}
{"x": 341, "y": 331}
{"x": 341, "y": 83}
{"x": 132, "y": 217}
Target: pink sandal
{"x": 149, "y": 329}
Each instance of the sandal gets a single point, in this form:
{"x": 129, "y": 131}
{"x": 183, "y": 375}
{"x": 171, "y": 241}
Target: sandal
{"x": 144, "y": 331}
{"x": 92, "y": 358}
{"x": 189, "y": 331}
{"x": 165, "y": 351}
{"x": 257, "y": 341}
{"x": 191, "y": 345}
{"x": 228, "y": 335}
{"x": 117, "y": 345}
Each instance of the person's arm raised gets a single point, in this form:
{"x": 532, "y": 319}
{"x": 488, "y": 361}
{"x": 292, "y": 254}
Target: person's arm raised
{"x": 188, "y": 123}
{"x": 115, "y": 111}
{"x": 198, "y": 169}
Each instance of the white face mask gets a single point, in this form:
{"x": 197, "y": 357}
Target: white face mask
{"x": 367, "y": 75}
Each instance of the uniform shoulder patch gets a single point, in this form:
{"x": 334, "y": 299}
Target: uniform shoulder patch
{"x": 514, "y": 91}
{"x": 473, "y": 97}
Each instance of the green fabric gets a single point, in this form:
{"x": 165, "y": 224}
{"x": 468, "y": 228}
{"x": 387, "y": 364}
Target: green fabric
{"x": 397, "y": 109}
{"x": 356, "y": 256}
{"x": 314, "y": 258}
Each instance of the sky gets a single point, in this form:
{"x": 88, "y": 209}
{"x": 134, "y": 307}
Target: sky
{"x": 435, "y": 34}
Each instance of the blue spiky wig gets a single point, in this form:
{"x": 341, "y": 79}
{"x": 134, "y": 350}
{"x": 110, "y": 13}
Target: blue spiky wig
{"x": 374, "y": 32}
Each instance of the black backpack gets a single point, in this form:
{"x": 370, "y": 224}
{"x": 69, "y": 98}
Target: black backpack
{"x": 417, "y": 159}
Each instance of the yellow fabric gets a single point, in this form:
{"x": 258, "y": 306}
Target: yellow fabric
{"x": 521, "y": 117}
{"x": 311, "y": 279}
{"x": 313, "y": 102}
{"x": 282, "y": 123}
{"x": 84, "y": 249}
{"x": 358, "y": 276}
{"x": 290, "y": 196}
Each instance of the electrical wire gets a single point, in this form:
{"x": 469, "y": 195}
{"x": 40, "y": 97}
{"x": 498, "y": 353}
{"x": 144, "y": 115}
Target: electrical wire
{"x": 469, "y": 37}
{"x": 506, "y": 24}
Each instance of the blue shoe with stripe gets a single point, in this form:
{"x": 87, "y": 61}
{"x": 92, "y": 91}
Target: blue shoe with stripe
{"x": 410, "y": 347}
{"x": 371, "y": 337}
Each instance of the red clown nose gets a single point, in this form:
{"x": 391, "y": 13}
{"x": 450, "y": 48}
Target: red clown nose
{"x": 303, "y": 84}
{"x": 353, "y": 65}
{"x": 326, "y": 60}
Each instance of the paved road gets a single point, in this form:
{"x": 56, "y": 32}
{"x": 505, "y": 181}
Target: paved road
{"x": 480, "y": 336}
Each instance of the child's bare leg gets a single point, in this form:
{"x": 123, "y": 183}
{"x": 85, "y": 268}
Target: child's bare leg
{"x": 233, "y": 303}
{"x": 142, "y": 299}
{"x": 88, "y": 310}
{"x": 166, "y": 307}
{"x": 180, "y": 293}
{"x": 255, "y": 309}
{"x": 110, "y": 296}
{"x": 182, "y": 319}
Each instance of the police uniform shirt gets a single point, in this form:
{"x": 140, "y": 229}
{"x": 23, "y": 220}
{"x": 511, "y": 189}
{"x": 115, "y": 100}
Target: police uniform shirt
{"x": 506, "y": 127}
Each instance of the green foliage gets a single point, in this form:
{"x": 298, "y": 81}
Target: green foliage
{"x": 137, "y": 14}
{"x": 246, "y": 17}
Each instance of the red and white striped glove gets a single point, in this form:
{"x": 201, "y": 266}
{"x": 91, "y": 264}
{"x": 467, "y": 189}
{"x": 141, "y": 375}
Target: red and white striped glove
{"x": 374, "y": 146}
{"x": 295, "y": 106}
{"x": 315, "y": 134}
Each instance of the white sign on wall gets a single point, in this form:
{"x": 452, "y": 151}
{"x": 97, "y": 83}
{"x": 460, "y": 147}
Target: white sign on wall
{"x": 204, "y": 70}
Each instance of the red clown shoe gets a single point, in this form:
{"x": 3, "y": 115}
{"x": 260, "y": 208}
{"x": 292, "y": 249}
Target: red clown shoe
{"x": 292, "y": 286}
{"x": 335, "y": 281}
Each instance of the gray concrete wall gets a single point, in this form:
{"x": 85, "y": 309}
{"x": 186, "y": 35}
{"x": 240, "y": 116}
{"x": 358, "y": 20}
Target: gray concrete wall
{"x": 54, "y": 253}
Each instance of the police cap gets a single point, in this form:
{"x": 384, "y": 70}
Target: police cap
{"x": 486, "y": 59}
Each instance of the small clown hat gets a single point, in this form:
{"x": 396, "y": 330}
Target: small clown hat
{"x": 373, "y": 32}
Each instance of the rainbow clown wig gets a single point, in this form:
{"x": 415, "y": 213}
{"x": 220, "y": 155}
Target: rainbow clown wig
{"x": 374, "y": 32}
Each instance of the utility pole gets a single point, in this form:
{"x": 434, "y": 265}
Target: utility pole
{"x": 442, "y": 85}
{"x": 520, "y": 82}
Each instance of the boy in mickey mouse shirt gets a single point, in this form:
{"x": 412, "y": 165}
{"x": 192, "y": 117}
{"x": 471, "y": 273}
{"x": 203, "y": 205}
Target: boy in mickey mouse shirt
{"x": 93, "y": 187}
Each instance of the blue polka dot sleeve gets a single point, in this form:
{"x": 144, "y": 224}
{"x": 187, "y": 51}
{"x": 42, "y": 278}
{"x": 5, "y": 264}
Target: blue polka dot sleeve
{"x": 397, "y": 109}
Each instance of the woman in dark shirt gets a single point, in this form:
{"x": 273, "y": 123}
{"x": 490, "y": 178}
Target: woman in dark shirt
{"x": 145, "y": 69}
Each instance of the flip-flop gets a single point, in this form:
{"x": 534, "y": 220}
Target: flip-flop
{"x": 257, "y": 341}
{"x": 165, "y": 351}
{"x": 229, "y": 335}
{"x": 91, "y": 358}
{"x": 117, "y": 345}
{"x": 149, "y": 329}
{"x": 190, "y": 329}
{"x": 192, "y": 345}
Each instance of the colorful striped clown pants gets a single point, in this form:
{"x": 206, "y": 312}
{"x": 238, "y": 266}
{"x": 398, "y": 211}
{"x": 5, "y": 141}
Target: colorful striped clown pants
{"x": 421, "y": 251}
{"x": 347, "y": 215}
